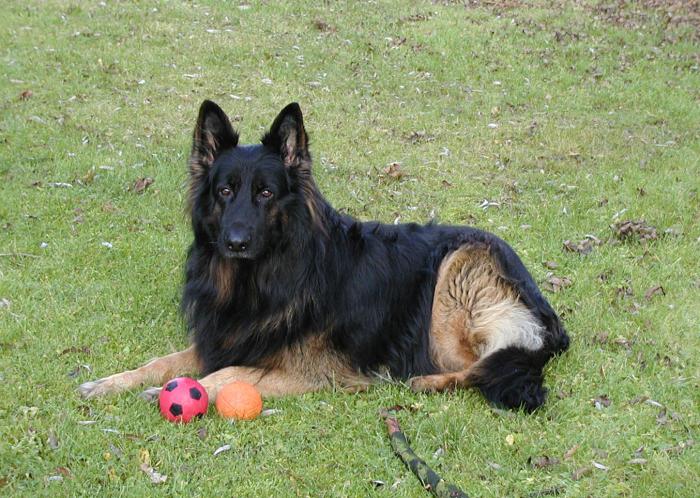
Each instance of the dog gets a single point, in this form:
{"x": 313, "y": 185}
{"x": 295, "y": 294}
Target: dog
{"x": 286, "y": 293}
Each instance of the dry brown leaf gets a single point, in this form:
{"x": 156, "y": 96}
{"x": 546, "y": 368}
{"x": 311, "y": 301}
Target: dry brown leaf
{"x": 89, "y": 176}
{"x": 142, "y": 184}
{"x": 570, "y": 452}
{"x": 585, "y": 246}
{"x": 625, "y": 343}
{"x": 64, "y": 471}
{"x": 679, "y": 448}
{"x": 324, "y": 27}
{"x": 418, "y": 137}
{"x": 542, "y": 462}
{"x": 634, "y": 229}
{"x": 651, "y": 292}
{"x": 396, "y": 408}
{"x": 397, "y": 42}
{"x": 550, "y": 491}
{"x": 551, "y": 265}
{"x": 417, "y": 17}
{"x": 580, "y": 472}
{"x": 624, "y": 291}
{"x": 556, "y": 284}
{"x": 75, "y": 349}
{"x": 665, "y": 417}
{"x": 394, "y": 170}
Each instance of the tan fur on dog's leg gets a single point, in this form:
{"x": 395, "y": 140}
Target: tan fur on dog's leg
{"x": 156, "y": 371}
{"x": 274, "y": 382}
{"x": 441, "y": 382}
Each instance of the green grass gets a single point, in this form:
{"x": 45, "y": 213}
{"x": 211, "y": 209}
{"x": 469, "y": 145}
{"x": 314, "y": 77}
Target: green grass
{"x": 597, "y": 113}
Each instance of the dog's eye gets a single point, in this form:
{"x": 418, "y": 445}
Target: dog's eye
{"x": 266, "y": 193}
{"x": 224, "y": 191}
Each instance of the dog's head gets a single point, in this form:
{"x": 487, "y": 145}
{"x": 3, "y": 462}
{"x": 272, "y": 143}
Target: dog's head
{"x": 242, "y": 196}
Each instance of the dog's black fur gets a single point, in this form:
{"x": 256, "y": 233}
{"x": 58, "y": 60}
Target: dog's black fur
{"x": 273, "y": 263}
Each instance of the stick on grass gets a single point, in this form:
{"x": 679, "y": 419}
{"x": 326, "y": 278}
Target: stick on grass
{"x": 430, "y": 480}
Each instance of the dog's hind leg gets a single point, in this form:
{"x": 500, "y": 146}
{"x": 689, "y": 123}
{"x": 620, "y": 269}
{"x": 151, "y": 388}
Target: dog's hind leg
{"x": 482, "y": 334}
{"x": 156, "y": 371}
{"x": 511, "y": 377}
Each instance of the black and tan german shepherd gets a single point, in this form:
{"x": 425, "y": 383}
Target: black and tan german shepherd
{"x": 286, "y": 293}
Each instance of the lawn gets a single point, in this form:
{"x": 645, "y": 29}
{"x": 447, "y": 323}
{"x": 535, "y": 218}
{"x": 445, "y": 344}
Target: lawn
{"x": 544, "y": 122}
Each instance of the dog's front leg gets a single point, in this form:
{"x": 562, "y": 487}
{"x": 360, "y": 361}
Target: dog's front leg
{"x": 154, "y": 372}
{"x": 275, "y": 382}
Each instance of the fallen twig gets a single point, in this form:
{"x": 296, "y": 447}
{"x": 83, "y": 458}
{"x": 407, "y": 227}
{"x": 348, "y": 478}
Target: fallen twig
{"x": 430, "y": 480}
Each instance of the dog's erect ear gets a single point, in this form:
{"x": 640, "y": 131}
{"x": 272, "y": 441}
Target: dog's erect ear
{"x": 288, "y": 136}
{"x": 212, "y": 135}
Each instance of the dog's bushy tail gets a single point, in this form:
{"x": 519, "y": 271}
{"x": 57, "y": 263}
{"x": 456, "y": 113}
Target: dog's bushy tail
{"x": 511, "y": 377}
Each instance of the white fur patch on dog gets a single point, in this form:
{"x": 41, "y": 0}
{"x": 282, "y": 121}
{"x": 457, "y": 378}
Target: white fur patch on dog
{"x": 506, "y": 323}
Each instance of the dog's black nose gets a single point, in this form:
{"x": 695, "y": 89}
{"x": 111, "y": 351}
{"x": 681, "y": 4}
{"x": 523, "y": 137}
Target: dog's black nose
{"x": 237, "y": 242}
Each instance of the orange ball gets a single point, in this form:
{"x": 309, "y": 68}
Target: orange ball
{"x": 239, "y": 400}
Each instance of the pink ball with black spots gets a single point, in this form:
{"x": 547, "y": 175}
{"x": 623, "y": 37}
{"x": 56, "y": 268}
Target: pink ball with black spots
{"x": 183, "y": 399}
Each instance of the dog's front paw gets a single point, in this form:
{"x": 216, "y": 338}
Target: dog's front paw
{"x": 151, "y": 394}
{"x": 94, "y": 388}
{"x": 421, "y": 385}
{"x": 437, "y": 382}
{"x": 108, "y": 385}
